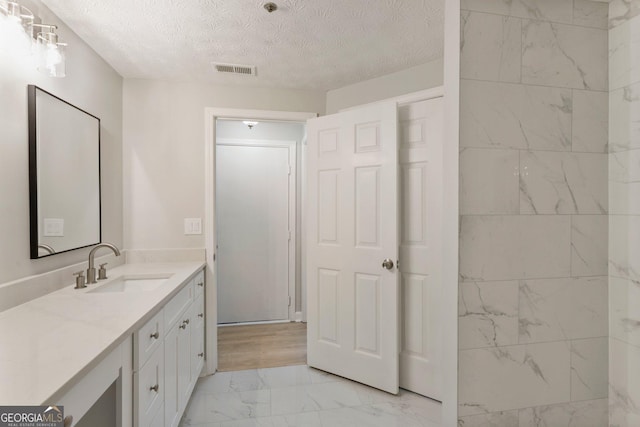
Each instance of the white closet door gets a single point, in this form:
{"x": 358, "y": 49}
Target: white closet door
{"x": 252, "y": 205}
{"x": 352, "y": 300}
{"x": 421, "y": 139}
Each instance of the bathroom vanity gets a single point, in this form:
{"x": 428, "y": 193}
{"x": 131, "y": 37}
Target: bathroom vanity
{"x": 142, "y": 329}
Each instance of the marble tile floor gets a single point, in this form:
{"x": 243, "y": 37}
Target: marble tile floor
{"x": 302, "y": 396}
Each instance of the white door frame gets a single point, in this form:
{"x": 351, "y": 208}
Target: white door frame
{"x": 291, "y": 146}
{"x": 211, "y": 293}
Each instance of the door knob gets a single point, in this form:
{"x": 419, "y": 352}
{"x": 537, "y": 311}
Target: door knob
{"x": 388, "y": 264}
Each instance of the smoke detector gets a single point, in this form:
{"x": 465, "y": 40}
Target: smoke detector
{"x": 247, "y": 70}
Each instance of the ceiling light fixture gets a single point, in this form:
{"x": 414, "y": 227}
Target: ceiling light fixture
{"x": 250, "y": 124}
{"x": 270, "y": 7}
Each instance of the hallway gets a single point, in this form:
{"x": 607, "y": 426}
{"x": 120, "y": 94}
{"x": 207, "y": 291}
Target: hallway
{"x": 243, "y": 347}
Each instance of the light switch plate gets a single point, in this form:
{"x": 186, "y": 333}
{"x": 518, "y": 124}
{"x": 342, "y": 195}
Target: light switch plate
{"x": 192, "y": 226}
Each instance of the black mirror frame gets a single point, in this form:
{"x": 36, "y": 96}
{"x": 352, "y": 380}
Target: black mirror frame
{"x": 33, "y": 174}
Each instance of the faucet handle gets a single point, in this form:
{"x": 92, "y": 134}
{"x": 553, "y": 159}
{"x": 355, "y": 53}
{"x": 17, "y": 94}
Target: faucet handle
{"x": 102, "y": 272}
{"x": 80, "y": 280}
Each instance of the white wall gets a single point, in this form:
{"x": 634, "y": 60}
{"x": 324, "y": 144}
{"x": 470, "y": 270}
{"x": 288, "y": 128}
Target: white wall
{"x": 412, "y": 79}
{"x": 92, "y": 85}
{"x": 164, "y": 152}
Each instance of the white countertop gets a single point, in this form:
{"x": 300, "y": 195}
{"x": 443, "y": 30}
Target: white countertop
{"x": 49, "y": 343}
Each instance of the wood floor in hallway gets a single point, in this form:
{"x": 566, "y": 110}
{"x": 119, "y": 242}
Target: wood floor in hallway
{"x": 243, "y": 347}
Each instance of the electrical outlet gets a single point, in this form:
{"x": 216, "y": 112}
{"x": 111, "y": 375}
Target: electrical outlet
{"x": 53, "y": 227}
{"x": 192, "y": 226}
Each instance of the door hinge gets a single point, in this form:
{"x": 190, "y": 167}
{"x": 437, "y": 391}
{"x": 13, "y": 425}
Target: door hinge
{"x": 398, "y": 264}
{"x": 288, "y": 169}
{"x": 289, "y": 235}
{"x": 289, "y": 303}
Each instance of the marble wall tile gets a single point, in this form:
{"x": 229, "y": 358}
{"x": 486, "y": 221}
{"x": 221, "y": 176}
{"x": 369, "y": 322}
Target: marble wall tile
{"x": 563, "y": 183}
{"x": 564, "y": 55}
{"x": 591, "y": 413}
{"x": 489, "y": 181}
{"x": 624, "y": 310}
{"x": 624, "y": 246}
{"x": 504, "y": 115}
{"x": 589, "y": 368}
{"x": 495, "y": 419}
{"x": 562, "y": 309}
{"x": 590, "y": 125}
{"x": 590, "y": 13}
{"x": 490, "y": 47}
{"x": 624, "y": 387}
{"x": 488, "y": 314}
{"x": 620, "y": 11}
{"x": 546, "y": 10}
{"x": 589, "y": 244}
{"x": 504, "y": 378}
{"x": 624, "y": 116}
{"x": 624, "y": 62}
{"x": 624, "y": 182}
{"x": 513, "y": 247}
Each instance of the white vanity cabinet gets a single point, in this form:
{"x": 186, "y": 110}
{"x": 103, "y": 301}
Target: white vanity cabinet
{"x": 178, "y": 358}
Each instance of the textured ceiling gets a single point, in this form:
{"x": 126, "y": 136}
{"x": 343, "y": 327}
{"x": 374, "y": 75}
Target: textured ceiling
{"x": 310, "y": 44}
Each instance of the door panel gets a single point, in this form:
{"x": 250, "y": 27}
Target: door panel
{"x": 252, "y": 195}
{"x": 421, "y": 140}
{"x": 353, "y": 215}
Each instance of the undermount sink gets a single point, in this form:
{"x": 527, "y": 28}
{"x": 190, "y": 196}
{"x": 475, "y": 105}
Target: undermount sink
{"x": 132, "y": 283}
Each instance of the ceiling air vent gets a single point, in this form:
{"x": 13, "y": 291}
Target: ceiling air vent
{"x": 246, "y": 70}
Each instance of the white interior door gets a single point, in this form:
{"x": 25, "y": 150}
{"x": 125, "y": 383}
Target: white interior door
{"x": 253, "y": 208}
{"x": 421, "y": 138}
{"x": 352, "y": 301}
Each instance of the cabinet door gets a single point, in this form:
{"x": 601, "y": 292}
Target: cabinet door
{"x": 197, "y": 340}
{"x": 171, "y": 403}
{"x": 149, "y": 389}
{"x": 184, "y": 359}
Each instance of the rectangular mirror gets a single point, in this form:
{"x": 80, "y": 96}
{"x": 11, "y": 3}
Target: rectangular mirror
{"x": 64, "y": 175}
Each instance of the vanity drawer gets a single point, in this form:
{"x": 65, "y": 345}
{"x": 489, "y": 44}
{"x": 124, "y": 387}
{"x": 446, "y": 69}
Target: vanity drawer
{"x": 199, "y": 284}
{"x": 148, "y": 385}
{"x": 147, "y": 339}
{"x": 176, "y": 307}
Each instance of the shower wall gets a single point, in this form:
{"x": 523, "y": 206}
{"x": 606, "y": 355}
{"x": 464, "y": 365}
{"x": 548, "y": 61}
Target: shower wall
{"x": 533, "y": 305}
{"x": 624, "y": 205}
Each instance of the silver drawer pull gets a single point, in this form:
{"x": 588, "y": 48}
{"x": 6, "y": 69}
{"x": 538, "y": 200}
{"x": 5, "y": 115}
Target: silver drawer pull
{"x": 186, "y": 321}
{"x": 183, "y": 326}
{"x": 201, "y": 315}
{"x": 155, "y": 388}
{"x": 155, "y": 335}
{"x": 200, "y": 354}
{"x": 201, "y": 284}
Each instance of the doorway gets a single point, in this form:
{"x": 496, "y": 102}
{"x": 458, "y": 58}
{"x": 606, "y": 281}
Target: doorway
{"x": 258, "y": 196}
{"x": 256, "y": 211}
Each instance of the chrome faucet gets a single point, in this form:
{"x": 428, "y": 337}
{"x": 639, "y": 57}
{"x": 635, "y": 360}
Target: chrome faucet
{"x": 91, "y": 271}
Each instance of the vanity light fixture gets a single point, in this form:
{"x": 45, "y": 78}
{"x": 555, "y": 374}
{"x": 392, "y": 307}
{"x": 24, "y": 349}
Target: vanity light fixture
{"x": 250, "y": 124}
{"x": 50, "y": 52}
{"x": 16, "y": 27}
{"x": 18, "y": 14}
{"x": 20, "y": 33}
